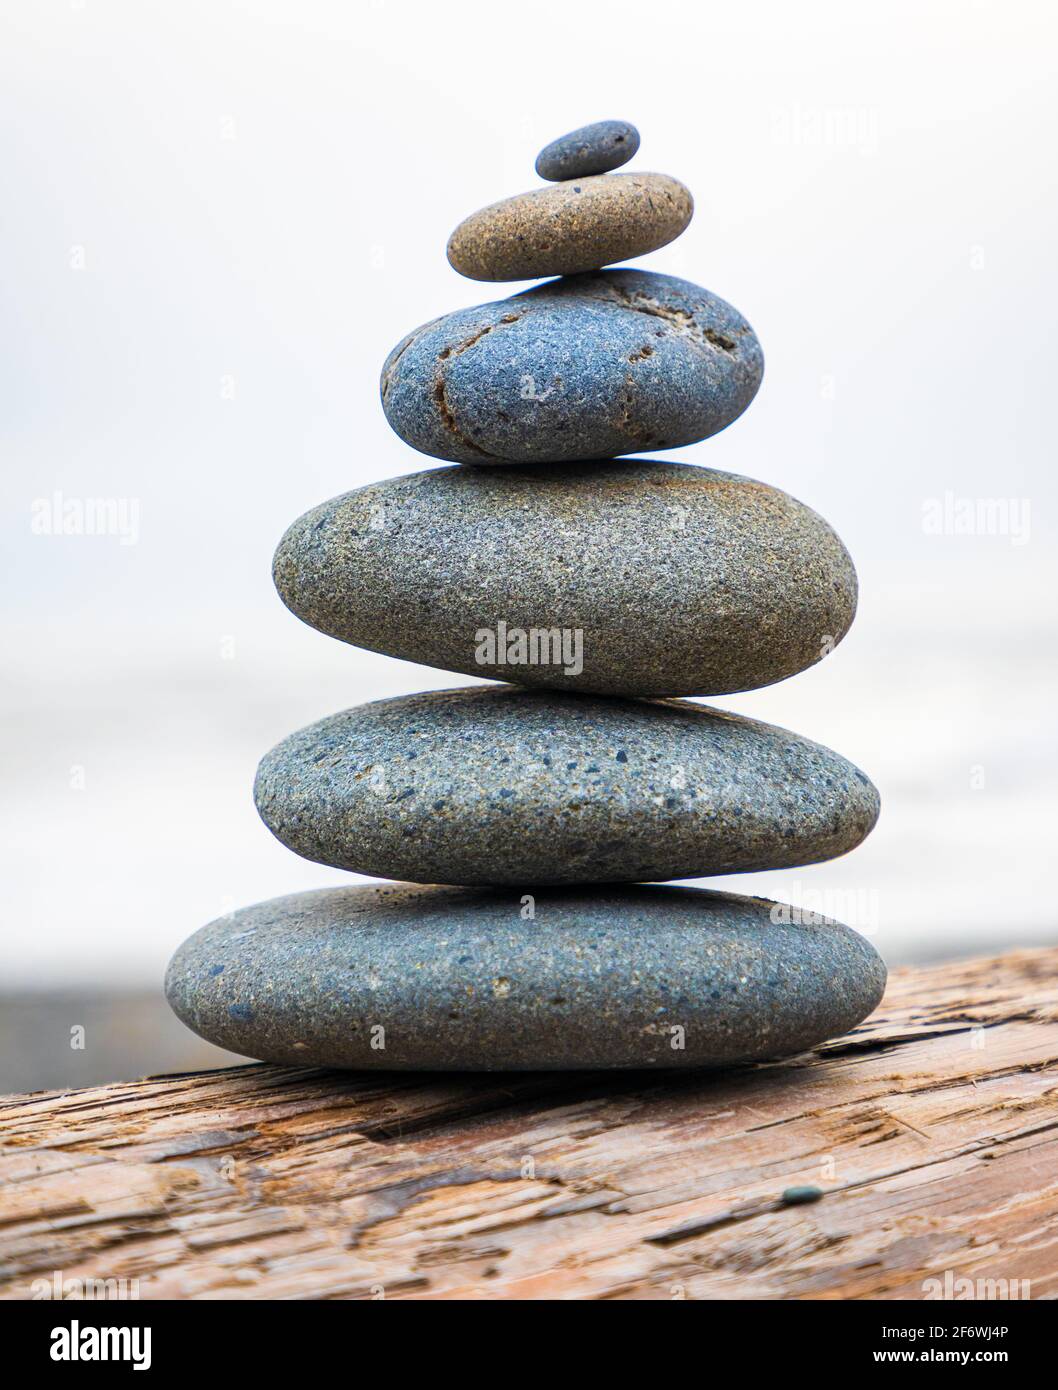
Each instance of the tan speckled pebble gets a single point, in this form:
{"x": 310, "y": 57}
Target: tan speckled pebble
{"x": 578, "y": 225}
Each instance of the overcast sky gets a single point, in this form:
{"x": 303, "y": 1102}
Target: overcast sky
{"x": 219, "y": 218}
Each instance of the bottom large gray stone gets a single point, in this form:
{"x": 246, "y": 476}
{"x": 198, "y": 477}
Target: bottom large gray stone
{"x": 407, "y": 977}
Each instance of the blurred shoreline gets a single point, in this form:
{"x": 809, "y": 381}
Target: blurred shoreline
{"x": 60, "y": 1040}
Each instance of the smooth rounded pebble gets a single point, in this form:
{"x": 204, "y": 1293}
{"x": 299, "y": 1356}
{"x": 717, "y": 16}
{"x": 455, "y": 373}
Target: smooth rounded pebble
{"x": 626, "y": 578}
{"x": 590, "y": 367}
{"x": 459, "y": 980}
{"x": 800, "y": 1196}
{"x": 593, "y": 149}
{"x": 494, "y": 785}
{"x": 579, "y": 224}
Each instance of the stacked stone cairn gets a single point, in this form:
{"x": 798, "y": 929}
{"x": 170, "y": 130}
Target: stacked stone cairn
{"x": 548, "y": 810}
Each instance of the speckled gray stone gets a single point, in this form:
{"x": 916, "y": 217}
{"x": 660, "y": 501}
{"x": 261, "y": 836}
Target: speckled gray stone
{"x": 592, "y": 149}
{"x": 679, "y": 580}
{"x": 494, "y": 785}
{"x": 569, "y": 227}
{"x": 454, "y": 979}
{"x": 588, "y": 367}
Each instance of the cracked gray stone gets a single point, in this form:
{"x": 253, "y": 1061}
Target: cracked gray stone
{"x": 396, "y": 977}
{"x": 587, "y": 367}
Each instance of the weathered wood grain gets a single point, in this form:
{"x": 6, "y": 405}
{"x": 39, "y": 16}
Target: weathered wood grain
{"x": 932, "y": 1130}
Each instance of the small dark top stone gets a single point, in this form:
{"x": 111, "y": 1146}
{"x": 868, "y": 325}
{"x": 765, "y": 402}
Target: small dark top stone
{"x": 593, "y": 149}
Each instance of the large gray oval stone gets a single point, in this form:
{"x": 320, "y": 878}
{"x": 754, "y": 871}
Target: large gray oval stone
{"x": 446, "y": 979}
{"x": 631, "y": 578}
{"x": 494, "y": 785}
{"x": 588, "y": 367}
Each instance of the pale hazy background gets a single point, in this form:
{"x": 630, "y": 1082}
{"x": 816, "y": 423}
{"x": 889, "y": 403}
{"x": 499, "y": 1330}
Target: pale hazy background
{"x": 218, "y": 218}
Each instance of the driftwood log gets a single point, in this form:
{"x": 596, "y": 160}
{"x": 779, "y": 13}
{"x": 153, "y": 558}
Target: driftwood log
{"x": 932, "y": 1133}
